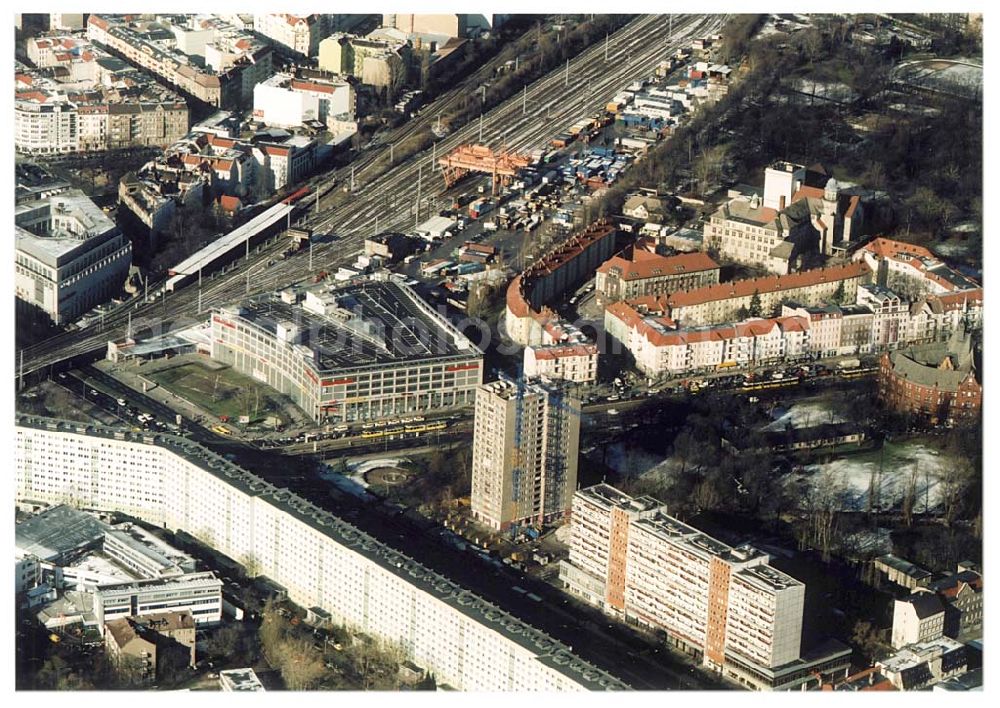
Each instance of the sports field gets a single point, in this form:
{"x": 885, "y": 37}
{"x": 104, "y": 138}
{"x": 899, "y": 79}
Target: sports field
{"x": 221, "y": 392}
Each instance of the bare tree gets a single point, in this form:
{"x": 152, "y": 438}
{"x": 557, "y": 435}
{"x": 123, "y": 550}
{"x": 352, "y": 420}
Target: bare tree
{"x": 910, "y": 497}
{"x": 955, "y": 480}
{"x": 302, "y": 668}
{"x": 822, "y": 506}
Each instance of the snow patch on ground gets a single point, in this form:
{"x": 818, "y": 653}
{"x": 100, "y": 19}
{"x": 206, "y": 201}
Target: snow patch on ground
{"x": 354, "y": 481}
{"x": 626, "y": 459}
{"x": 803, "y": 414}
{"x": 852, "y": 477}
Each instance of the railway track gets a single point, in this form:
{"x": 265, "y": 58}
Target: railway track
{"x": 632, "y": 52}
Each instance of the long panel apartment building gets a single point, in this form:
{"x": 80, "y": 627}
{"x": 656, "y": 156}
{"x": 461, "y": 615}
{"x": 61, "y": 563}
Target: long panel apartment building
{"x": 323, "y": 561}
{"x": 723, "y": 604}
{"x": 356, "y": 353}
{"x": 524, "y": 454}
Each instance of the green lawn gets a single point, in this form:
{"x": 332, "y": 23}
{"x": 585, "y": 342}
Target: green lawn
{"x": 221, "y": 392}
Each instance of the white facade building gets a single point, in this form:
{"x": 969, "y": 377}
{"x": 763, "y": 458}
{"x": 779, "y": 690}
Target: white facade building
{"x": 321, "y": 560}
{"x": 299, "y": 33}
{"x": 69, "y": 255}
{"x": 46, "y": 128}
{"x": 284, "y": 101}
{"x": 576, "y": 362}
{"x": 197, "y": 593}
{"x": 917, "y": 618}
{"x": 725, "y": 605}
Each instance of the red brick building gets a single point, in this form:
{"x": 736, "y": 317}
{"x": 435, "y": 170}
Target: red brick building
{"x": 933, "y": 381}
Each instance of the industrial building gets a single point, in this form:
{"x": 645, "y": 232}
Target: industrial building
{"x": 197, "y": 593}
{"x": 323, "y": 561}
{"x": 361, "y": 352}
{"x": 524, "y": 454}
{"x": 69, "y": 255}
{"x": 724, "y": 605}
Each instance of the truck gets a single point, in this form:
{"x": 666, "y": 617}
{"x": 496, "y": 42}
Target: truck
{"x": 848, "y": 364}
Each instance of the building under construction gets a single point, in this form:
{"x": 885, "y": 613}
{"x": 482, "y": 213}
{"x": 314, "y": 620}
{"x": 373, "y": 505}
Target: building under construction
{"x": 501, "y": 166}
{"x": 524, "y": 455}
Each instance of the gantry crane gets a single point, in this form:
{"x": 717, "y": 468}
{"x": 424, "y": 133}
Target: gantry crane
{"x": 501, "y": 166}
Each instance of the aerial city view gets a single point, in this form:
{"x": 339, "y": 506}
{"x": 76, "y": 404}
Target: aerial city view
{"x": 580, "y": 352}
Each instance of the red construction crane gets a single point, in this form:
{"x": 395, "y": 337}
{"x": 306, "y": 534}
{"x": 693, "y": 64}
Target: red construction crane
{"x": 502, "y": 166}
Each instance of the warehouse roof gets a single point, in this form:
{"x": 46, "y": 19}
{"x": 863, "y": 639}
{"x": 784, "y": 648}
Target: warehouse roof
{"x": 56, "y": 531}
{"x": 365, "y": 324}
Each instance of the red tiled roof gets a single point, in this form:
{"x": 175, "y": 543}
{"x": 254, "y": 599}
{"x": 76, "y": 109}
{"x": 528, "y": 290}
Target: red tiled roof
{"x": 767, "y": 284}
{"x": 229, "y": 203}
{"x": 897, "y": 250}
{"x": 300, "y": 85}
{"x": 33, "y": 96}
{"x": 703, "y": 335}
{"x": 275, "y": 150}
{"x": 804, "y": 192}
{"x": 953, "y": 301}
{"x": 562, "y": 351}
{"x": 793, "y": 324}
{"x": 644, "y": 264}
{"x": 912, "y": 255}
{"x": 754, "y": 328}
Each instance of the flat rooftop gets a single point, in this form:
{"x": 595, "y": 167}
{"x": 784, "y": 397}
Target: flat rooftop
{"x": 144, "y": 545}
{"x": 241, "y": 680}
{"x": 546, "y": 649}
{"x": 694, "y": 541}
{"x": 366, "y": 324}
{"x": 72, "y": 217}
{"x": 206, "y": 578}
{"x": 101, "y": 564}
{"x": 607, "y": 496}
{"x": 56, "y": 531}
{"x": 768, "y": 578}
